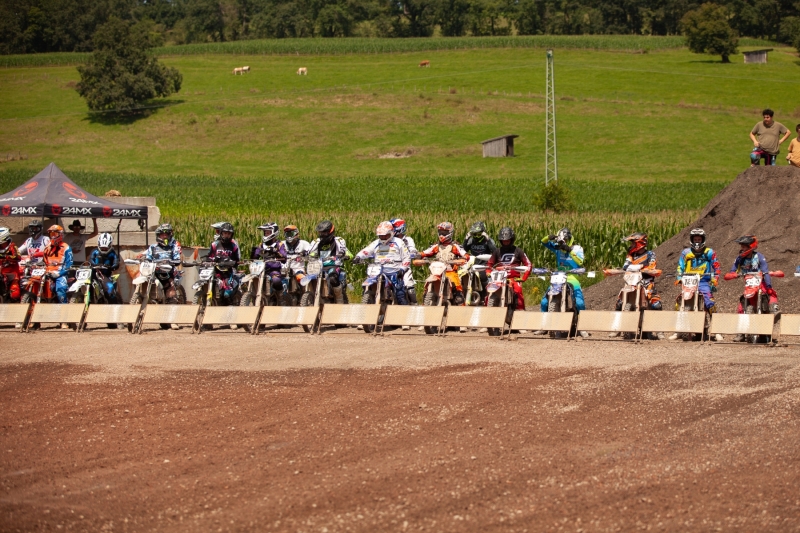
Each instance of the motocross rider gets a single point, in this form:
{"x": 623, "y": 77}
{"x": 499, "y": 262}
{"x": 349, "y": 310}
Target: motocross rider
{"x": 36, "y": 243}
{"x": 9, "y": 264}
{"x": 569, "y": 256}
{"x": 389, "y": 248}
{"x": 226, "y": 249}
{"x": 57, "y": 259}
{"x": 749, "y": 261}
{"x": 508, "y": 255}
{"x": 273, "y": 253}
{"x": 166, "y": 247}
{"x": 698, "y": 259}
{"x": 638, "y": 254}
{"x": 328, "y": 247}
{"x": 478, "y": 243}
{"x": 217, "y": 228}
{"x": 446, "y": 250}
{"x": 400, "y": 229}
{"x": 296, "y": 250}
{"x": 104, "y": 256}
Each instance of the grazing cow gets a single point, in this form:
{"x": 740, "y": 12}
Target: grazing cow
{"x": 245, "y": 70}
{"x": 238, "y": 70}
{"x": 302, "y": 71}
{"x": 425, "y": 63}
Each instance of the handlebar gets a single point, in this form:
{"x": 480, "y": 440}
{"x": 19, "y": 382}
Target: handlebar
{"x": 615, "y": 271}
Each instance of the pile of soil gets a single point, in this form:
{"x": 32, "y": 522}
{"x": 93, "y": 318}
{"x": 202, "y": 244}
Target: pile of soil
{"x": 762, "y": 201}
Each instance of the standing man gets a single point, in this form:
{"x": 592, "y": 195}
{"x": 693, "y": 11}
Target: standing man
{"x": 77, "y": 239}
{"x": 767, "y": 137}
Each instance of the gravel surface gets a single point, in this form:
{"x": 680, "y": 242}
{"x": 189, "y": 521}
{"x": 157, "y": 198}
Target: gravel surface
{"x": 222, "y": 431}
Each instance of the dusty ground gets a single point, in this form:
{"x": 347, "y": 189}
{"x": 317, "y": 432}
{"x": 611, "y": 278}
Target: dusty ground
{"x": 226, "y": 432}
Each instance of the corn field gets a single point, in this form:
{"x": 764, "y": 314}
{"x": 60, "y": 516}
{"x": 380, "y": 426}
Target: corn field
{"x": 356, "y": 45}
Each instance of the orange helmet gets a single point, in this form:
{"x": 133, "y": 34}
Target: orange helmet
{"x": 56, "y": 234}
{"x": 750, "y": 241}
{"x": 636, "y": 242}
{"x": 446, "y": 231}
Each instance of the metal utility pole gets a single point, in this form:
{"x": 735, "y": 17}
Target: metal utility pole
{"x": 551, "y": 158}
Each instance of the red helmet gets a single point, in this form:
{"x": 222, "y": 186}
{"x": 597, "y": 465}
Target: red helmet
{"x": 636, "y": 242}
{"x": 750, "y": 241}
{"x": 446, "y": 231}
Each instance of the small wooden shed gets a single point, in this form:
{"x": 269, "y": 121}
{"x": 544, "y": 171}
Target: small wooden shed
{"x": 499, "y": 146}
{"x": 756, "y": 56}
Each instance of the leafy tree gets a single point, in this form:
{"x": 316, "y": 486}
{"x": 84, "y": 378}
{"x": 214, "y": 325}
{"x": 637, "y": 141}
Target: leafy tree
{"x": 122, "y": 73}
{"x": 708, "y": 31}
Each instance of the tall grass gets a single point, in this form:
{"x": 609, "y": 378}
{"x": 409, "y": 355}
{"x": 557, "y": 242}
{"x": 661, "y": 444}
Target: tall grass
{"x": 354, "y": 45}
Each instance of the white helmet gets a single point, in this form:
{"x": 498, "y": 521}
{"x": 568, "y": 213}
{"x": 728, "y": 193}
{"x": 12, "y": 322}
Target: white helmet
{"x": 5, "y": 237}
{"x": 104, "y": 243}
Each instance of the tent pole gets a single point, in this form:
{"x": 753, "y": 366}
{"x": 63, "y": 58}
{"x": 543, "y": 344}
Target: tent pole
{"x": 119, "y": 252}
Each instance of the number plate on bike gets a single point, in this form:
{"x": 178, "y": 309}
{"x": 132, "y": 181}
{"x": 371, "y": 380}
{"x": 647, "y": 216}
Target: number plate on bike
{"x": 690, "y": 281}
{"x": 257, "y": 267}
{"x": 146, "y": 268}
{"x": 373, "y": 270}
{"x": 314, "y": 267}
{"x": 83, "y": 275}
{"x": 558, "y": 279}
{"x": 206, "y": 274}
{"x": 752, "y": 281}
{"x": 37, "y": 272}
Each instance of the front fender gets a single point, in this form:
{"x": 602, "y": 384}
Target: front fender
{"x": 369, "y": 281}
{"x": 432, "y": 278}
{"x": 139, "y": 280}
{"x": 76, "y": 286}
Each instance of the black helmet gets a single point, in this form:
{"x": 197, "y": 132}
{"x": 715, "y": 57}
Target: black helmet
{"x": 747, "y": 240}
{"x": 565, "y": 234}
{"x": 697, "y": 246}
{"x": 164, "y": 229}
{"x": 477, "y": 230}
{"x": 35, "y": 228}
{"x": 325, "y": 231}
{"x": 506, "y": 234}
{"x": 226, "y": 227}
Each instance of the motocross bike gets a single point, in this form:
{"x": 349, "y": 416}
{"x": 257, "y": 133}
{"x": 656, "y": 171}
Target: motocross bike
{"x": 149, "y": 287}
{"x": 257, "y": 289}
{"x": 209, "y": 289}
{"x": 5, "y": 288}
{"x": 754, "y": 300}
{"x": 316, "y": 286}
{"x": 38, "y": 286}
{"x": 378, "y": 289}
{"x": 439, "y": 289}
{"x": 501, "y": 293}
{"x": 633, "y": 295}
{"x": 690, "y": 298}
{"x": 560, "y": 294}
{"x": 473, "y": 286}
{"x": 88, "y": 287}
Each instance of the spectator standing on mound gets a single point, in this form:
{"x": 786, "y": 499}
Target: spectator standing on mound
{"x": 767, "y": 140}
{"x": 794, "y": 150}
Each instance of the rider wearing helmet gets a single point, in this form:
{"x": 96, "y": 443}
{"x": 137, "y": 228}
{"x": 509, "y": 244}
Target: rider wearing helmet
{"x": 217, "y": 228}
{"x": 700, "y": 259}
{"x": 749, "y": 260}
{"x": 166, "y": 248}
{"x": 223, "y": 251}
{"x": 391, "y": 251}
{"x": 296, "y": 250}
{"x": 327, "y": 247}
{"x": 447, "y": 250}
{"x": 57, "y": 259}
{"x": 36, "y": 243}
{"x": 478, "y": 243}
{"x": 509, "y": 255}
{"x": 400, "y": 229}
{"x": 106, "y": 257}
{"x": 569, "y": 256}
{"x": 9, "y": 264}
{"x": 638, "y": 254}
{"x": 273, "y": 253}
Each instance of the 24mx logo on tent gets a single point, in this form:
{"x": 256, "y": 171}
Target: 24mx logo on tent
{"x": 17, "y": 210}
{"x": 76, "y": 211}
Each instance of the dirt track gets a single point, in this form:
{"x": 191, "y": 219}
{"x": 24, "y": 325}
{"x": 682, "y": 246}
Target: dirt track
{"x": 224, "y": 432}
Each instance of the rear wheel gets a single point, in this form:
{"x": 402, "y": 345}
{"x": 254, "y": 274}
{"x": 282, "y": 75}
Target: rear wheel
{"x": 307, "y": 300}
{"x": 430, "y": 300}
{"x": 248, "y": 297}
{"x": 181, "y": 295}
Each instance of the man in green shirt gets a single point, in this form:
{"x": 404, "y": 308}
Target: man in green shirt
{"x": 767, "y": 140}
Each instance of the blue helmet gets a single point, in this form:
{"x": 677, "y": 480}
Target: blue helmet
{"x": 399, "y": 227}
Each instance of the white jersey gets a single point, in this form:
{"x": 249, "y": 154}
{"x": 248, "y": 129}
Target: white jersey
{"x": 394, "y": 250}
{"x": 78, "y": 245}
{"x": 295, "y": 258}
{"x": 35, "y": 246}
{"x": 412, "y": 248}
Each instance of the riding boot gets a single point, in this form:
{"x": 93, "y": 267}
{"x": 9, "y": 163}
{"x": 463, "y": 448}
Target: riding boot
{"x": 338, "y": 294}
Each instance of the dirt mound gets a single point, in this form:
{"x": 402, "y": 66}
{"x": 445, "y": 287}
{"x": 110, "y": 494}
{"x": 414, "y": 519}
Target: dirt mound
{"x": 762, "y": 201}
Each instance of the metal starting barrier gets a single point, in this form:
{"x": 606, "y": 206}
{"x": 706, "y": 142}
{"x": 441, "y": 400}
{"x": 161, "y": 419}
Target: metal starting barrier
{"x": 377, "y": 317}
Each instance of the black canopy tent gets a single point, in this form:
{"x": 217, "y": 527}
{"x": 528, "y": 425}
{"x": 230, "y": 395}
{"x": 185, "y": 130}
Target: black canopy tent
{"x": 51, "y": 194}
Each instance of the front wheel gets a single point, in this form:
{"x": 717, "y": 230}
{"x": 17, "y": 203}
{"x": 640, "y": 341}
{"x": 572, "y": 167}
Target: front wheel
{"x": 430, "y": 300}
{"x": 494, "y": 301}
{"x": 751, "y": 310}
{"x": 307, "y": 300}
{"x": 198, "y": 297}
{"x": 136, "y": 298}
{"x": 368, "y": 298}
{"x": 248, "y": 297}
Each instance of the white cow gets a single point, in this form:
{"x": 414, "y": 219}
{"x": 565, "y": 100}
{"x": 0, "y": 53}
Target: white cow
{"x": 238, "y": 70}
{"x": 302, "y": 71}
{"x": 245, "y": 70}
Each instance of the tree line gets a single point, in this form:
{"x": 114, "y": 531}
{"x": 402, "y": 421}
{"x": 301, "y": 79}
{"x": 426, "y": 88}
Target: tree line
{"x": 30, "y": 26}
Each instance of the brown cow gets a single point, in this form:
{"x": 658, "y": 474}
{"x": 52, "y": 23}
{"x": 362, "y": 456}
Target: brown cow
{"x": 425, "y": 63}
